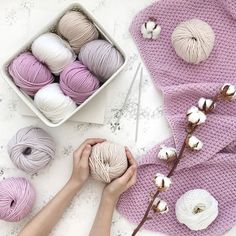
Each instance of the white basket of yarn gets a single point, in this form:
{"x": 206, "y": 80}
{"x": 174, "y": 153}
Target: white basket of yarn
{"x": 55, "y": 54}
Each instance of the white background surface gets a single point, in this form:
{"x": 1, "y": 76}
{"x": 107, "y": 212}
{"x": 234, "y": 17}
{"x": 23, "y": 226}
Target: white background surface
{"x": 19, "y": 20}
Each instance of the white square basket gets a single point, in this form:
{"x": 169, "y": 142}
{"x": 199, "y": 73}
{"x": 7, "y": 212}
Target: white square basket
{"x": 51, "y": 27}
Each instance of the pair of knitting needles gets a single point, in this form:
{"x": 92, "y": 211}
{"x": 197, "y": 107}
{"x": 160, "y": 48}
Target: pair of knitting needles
{"x": 138, "y": 103}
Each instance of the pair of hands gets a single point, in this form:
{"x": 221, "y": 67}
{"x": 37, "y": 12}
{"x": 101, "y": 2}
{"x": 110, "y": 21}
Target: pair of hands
{"x": 80, "y": 171}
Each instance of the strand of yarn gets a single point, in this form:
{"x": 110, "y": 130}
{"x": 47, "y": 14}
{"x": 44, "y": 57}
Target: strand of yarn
{"x": 51, "y": 101}
{"x": 193, "y": 40}
{"x": 101, "y": 58}
{"x": 77, "y": 82}
{"x": 77, "y": 29}
{"x": 31, "y": 149}
{"x": 29, "y": 74}
{"x": 17, "y": 197}
{"x": 56, "y": 53}
{"x": 107, "y": 161}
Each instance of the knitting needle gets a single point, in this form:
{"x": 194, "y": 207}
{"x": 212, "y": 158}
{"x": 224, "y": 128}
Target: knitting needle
{"x": 126, "y": 98}
{"x": 139, "y": 103}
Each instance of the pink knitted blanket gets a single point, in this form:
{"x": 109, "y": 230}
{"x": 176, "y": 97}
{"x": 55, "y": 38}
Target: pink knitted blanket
{"x": 182, "y": 84}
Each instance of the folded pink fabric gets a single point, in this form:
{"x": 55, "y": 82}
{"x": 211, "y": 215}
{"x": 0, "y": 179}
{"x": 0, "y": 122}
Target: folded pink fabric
{"x": 214, "y": 167}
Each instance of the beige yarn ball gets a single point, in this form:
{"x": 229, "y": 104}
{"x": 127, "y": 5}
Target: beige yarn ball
{"x": 193, "y": 40}
{"x": 77, "y": 29}
{"x": 107, "y": 161}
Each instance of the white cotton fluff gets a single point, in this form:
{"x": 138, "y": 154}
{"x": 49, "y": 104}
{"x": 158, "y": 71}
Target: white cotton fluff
{"x": 51, "y": 101}
{"x": 56, "y": 53}
{"x": 160, "y": 206}
{"x": 195, "y": 116}
{"x": 162, "y": 182}
{"x": 167, "y": 153}
{"x": 197, "y": 209}
{"x": 150, "y": 30}
{"x": 229, "y": 91}
{"x": 194, "y": 143}
{"x": 205, "y": 104}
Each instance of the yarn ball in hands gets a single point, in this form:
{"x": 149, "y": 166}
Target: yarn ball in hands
{"x": 17, "y": 197}
{"x": 197, "y": 209}
{"x": 56, "y": 53}
{"x": 31, "y": 149}
{"x": 77, "y": 29}
{"x": 107, "y": 161}
{"x": 77, "y": 82}
{"x": 29, "y": 74}
{"x": 193, "y": 40}
{"x": 52, "y": 102}
{"x": 101, "y": 58}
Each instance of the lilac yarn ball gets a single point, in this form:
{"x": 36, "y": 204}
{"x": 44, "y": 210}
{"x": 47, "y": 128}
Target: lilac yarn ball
{"x": 77, "y": 82}
{"x": 101, "y": 58}
{"x": 31, "y": 149}
{"x": 29, "y": 74}
{"x": 17, "y": 197}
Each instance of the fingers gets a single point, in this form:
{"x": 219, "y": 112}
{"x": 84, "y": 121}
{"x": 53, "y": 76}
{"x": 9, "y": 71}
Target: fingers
{"x": 93, "y": 141}
{"x": 85, "y": 155}
{"x": 130, "y": 157}
{"x": 128, "y": 174}
{"x": 133, "y": 179}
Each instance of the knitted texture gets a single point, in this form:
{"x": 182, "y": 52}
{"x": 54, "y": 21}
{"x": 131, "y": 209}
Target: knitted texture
{"x": 214, "y": 167}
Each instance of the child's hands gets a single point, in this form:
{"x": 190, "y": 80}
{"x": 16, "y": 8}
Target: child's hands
{"x": 81, "y": 155}
{"x": 113, "y": 190}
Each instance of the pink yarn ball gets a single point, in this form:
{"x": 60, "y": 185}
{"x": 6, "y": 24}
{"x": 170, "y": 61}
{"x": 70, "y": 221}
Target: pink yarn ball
{"x": 77, "y": 82}
{"x": 17, "y": 197}
{"x": 29, "y": 74}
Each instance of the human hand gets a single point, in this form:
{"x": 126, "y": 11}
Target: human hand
{"x": 81, "y": 155}
{"x": 113, "y": 190}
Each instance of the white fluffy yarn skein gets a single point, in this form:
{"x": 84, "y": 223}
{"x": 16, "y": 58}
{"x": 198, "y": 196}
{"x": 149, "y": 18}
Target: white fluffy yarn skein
{"x": 193, "y": 40}
{"x": 55, "y": 52}
{"x": 107, "y": 161}
{"x": 51, "y": 101}
{"x": 197, "y": 209}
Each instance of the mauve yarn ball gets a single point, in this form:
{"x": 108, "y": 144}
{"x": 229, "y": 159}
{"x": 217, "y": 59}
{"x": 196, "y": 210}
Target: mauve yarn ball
{"x": 193, "y": 40}
{"x": 77, "y": 29}
{"x": 101, "y": 58}
{"x": 77, "y": 82}
{"x": 107, "y": 161}
{"x": 55, "y": 52}
{"x": 31, "y": 149}
{"x": 17, "y": 197}
{"x": 53, "y": 103}
{"x": 29, "y": 74}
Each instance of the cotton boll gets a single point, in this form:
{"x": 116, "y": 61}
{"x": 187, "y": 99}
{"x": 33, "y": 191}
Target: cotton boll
{"x": 56, "y": 53}
{"x": 162, "y": 182}
{"x": 150, "y": 30}
{"x": 194, "y": 143}
{"x": 205, "y": 104}
{"x": 197, "y": 209}
{"x": 195, "y": 116}
{"x": 228, "y": 91}
{"x": 51, "y": 101}
{"x": 160, "y": 206}
{"x": 193, "y": 40}
{"x": 167, "y": 153}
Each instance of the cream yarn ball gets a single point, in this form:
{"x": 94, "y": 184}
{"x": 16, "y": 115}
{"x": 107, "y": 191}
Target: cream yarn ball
{"x": 193, "y": 40}
{"x": 51, "y": 101}
{"x": 107, "y": 161}
{"x": 197, "y": 209}
{"x": 55, "y": 52}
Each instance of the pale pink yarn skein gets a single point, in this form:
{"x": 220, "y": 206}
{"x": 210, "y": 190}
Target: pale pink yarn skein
{"x": 17, "y": 197}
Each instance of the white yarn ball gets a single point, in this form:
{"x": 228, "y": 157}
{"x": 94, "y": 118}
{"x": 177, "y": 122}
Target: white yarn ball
{"x": 107, "y": 161}
{"x": 197, "y": 209}
{"x": 193, "y": 40}
{"x": 56, "y": 53}
{"x": 51, "y": 101}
